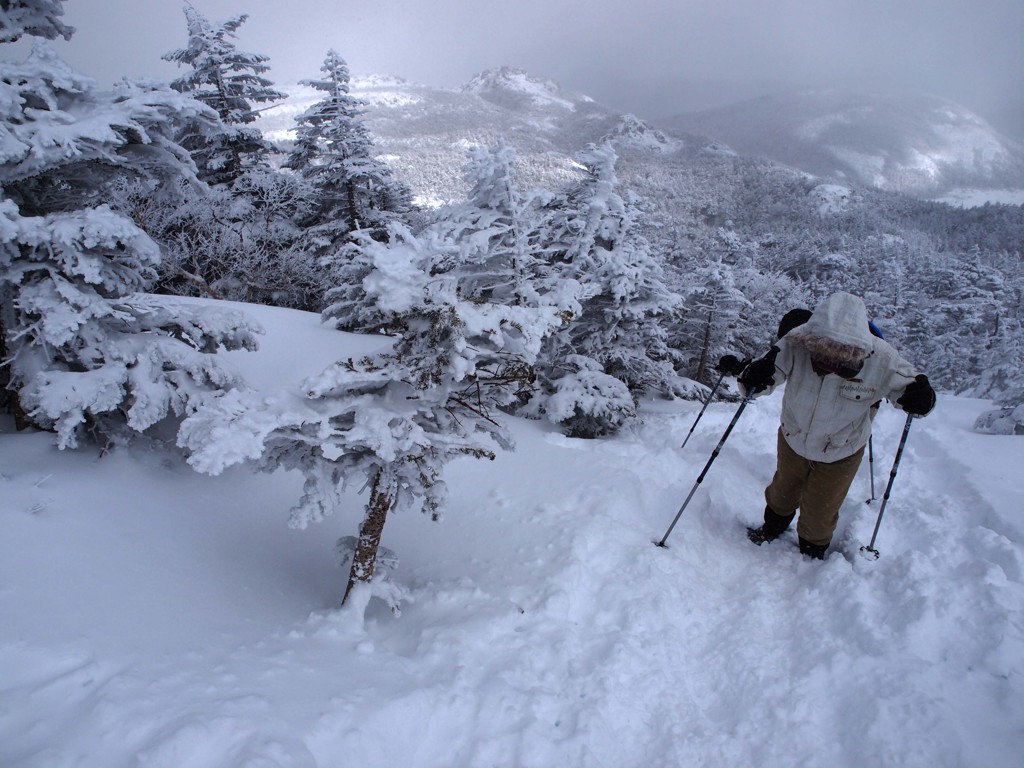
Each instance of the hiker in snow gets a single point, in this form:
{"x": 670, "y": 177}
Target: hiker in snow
{"x": 835, "y": 370}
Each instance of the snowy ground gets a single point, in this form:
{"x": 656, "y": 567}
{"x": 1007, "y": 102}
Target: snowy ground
{"x": 155, "y": 618}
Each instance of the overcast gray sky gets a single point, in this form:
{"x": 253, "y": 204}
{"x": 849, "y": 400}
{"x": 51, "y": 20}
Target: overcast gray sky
{"x": 622, "y": 52}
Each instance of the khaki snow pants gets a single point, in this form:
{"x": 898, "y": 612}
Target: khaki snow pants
{"x": 818, "y": 488}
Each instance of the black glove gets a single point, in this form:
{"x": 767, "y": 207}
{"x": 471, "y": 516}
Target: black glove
{"x": 760, "y": 374}
{"x": 730, "y": 365}
{"x": 791, "y": 320}
{"x": 918, "y": 398}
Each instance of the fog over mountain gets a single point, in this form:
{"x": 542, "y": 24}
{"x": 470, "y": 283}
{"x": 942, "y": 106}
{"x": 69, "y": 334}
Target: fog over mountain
{"x": 911, "y": 143}
{"x": 651, "y": 57}
{"x": 919, "y": 145}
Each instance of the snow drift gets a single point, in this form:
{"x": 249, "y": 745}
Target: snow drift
{"x": 159, "y": 618}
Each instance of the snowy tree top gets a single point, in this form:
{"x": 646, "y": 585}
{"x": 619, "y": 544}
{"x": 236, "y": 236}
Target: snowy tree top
{"x": 220, "y": 74}
{"x": 336, "y": 76}
{"x": 37, "y": 18}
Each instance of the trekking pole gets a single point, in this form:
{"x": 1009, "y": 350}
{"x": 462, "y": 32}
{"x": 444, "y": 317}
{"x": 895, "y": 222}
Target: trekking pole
{"x": 871, "y": 467}
{"x": 870, "y": 548}
{"x": 706, "y": 403}
{"x": 714, "y": 455}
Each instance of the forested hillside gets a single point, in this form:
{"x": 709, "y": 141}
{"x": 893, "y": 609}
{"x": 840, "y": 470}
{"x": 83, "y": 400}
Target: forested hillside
{"x": 739, "y": 233}
{"x": 599, "y": 257}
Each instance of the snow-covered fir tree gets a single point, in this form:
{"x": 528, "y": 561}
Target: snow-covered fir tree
{"x": 85, "y": 346}
{"x": 707, "y": 318}
{"x": 768, "y": 296}
{"x": 954, "y": 309}
{"x": 496, "y": 232}
{"x": 230, "y": 82}
{"x": 389, "y": 422}
{"x": 357, "y": 196}
{"x": 1003, "y": 359}
{"x": 1002, "y": 362}
{"x": 335, "y": 152}
{"x": 729, "y": 306}
{"x": 616, "y": 349}
{"x": 487, "y": 244}
{"x": 35, "y": 18}
{"x": 236, "y": 236}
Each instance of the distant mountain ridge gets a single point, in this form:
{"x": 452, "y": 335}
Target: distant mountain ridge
{"x": 917, "y": 145}
{"x": 426, "y": 132}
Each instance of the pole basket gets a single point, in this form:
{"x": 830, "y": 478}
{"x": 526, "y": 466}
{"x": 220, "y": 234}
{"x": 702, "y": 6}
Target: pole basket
{"x": 869, "y": 553}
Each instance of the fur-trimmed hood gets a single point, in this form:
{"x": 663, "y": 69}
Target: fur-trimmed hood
{"x": 827, "y": 417}
{"x": 838, "y": 329}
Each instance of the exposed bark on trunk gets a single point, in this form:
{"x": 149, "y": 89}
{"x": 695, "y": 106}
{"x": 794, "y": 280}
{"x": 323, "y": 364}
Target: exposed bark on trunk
{"x": 9, "y": 400}
{"x": 705, "y": 348}
{"x": 21, "y": 418}
{"x": 9, "y": 396}
{"x": 365, "y": 557}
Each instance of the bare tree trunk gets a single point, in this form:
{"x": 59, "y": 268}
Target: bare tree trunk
{"x": 8, "y": 394}
{"x": 353, "y": 214}
{"x": 702, "y": 364}
{"x": 365, "y": 557}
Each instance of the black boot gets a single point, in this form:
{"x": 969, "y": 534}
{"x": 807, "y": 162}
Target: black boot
{"x": 773, "y": 527}
{"x": 817, "y": 551}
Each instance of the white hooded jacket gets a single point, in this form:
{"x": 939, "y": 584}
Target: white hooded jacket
{"x": 827, "y": 418}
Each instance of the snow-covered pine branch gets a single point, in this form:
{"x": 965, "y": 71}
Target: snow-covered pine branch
{"x": 84, "y": 347}
{"x": 616, "y": 347}
{"x": 56, "y": 126}
{"x": 36, "y": 18}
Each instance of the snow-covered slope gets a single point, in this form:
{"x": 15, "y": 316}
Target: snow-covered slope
{"x": 154, "y": 618}
{"x": 916, "y": 144}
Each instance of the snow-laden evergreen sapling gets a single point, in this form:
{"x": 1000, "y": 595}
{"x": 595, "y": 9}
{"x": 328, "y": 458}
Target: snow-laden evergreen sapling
{"x": 490, "y": 245}
{"x": 335, "y": 152}
{"x": 495, "y": 231}
{"x": 593, "y": 369}
{"x": 729, "y": 305}
{"x": 390, "y": 422}
{"x": 230, "y": 82}
{"x": 708, "y": 317}
{"x": 357, "y": 196}
{"x": 1002, "y": 381}
{"x": 985, "y": 311}
{"x": 954, "y": 334}
{"x": 84, "y": 345}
